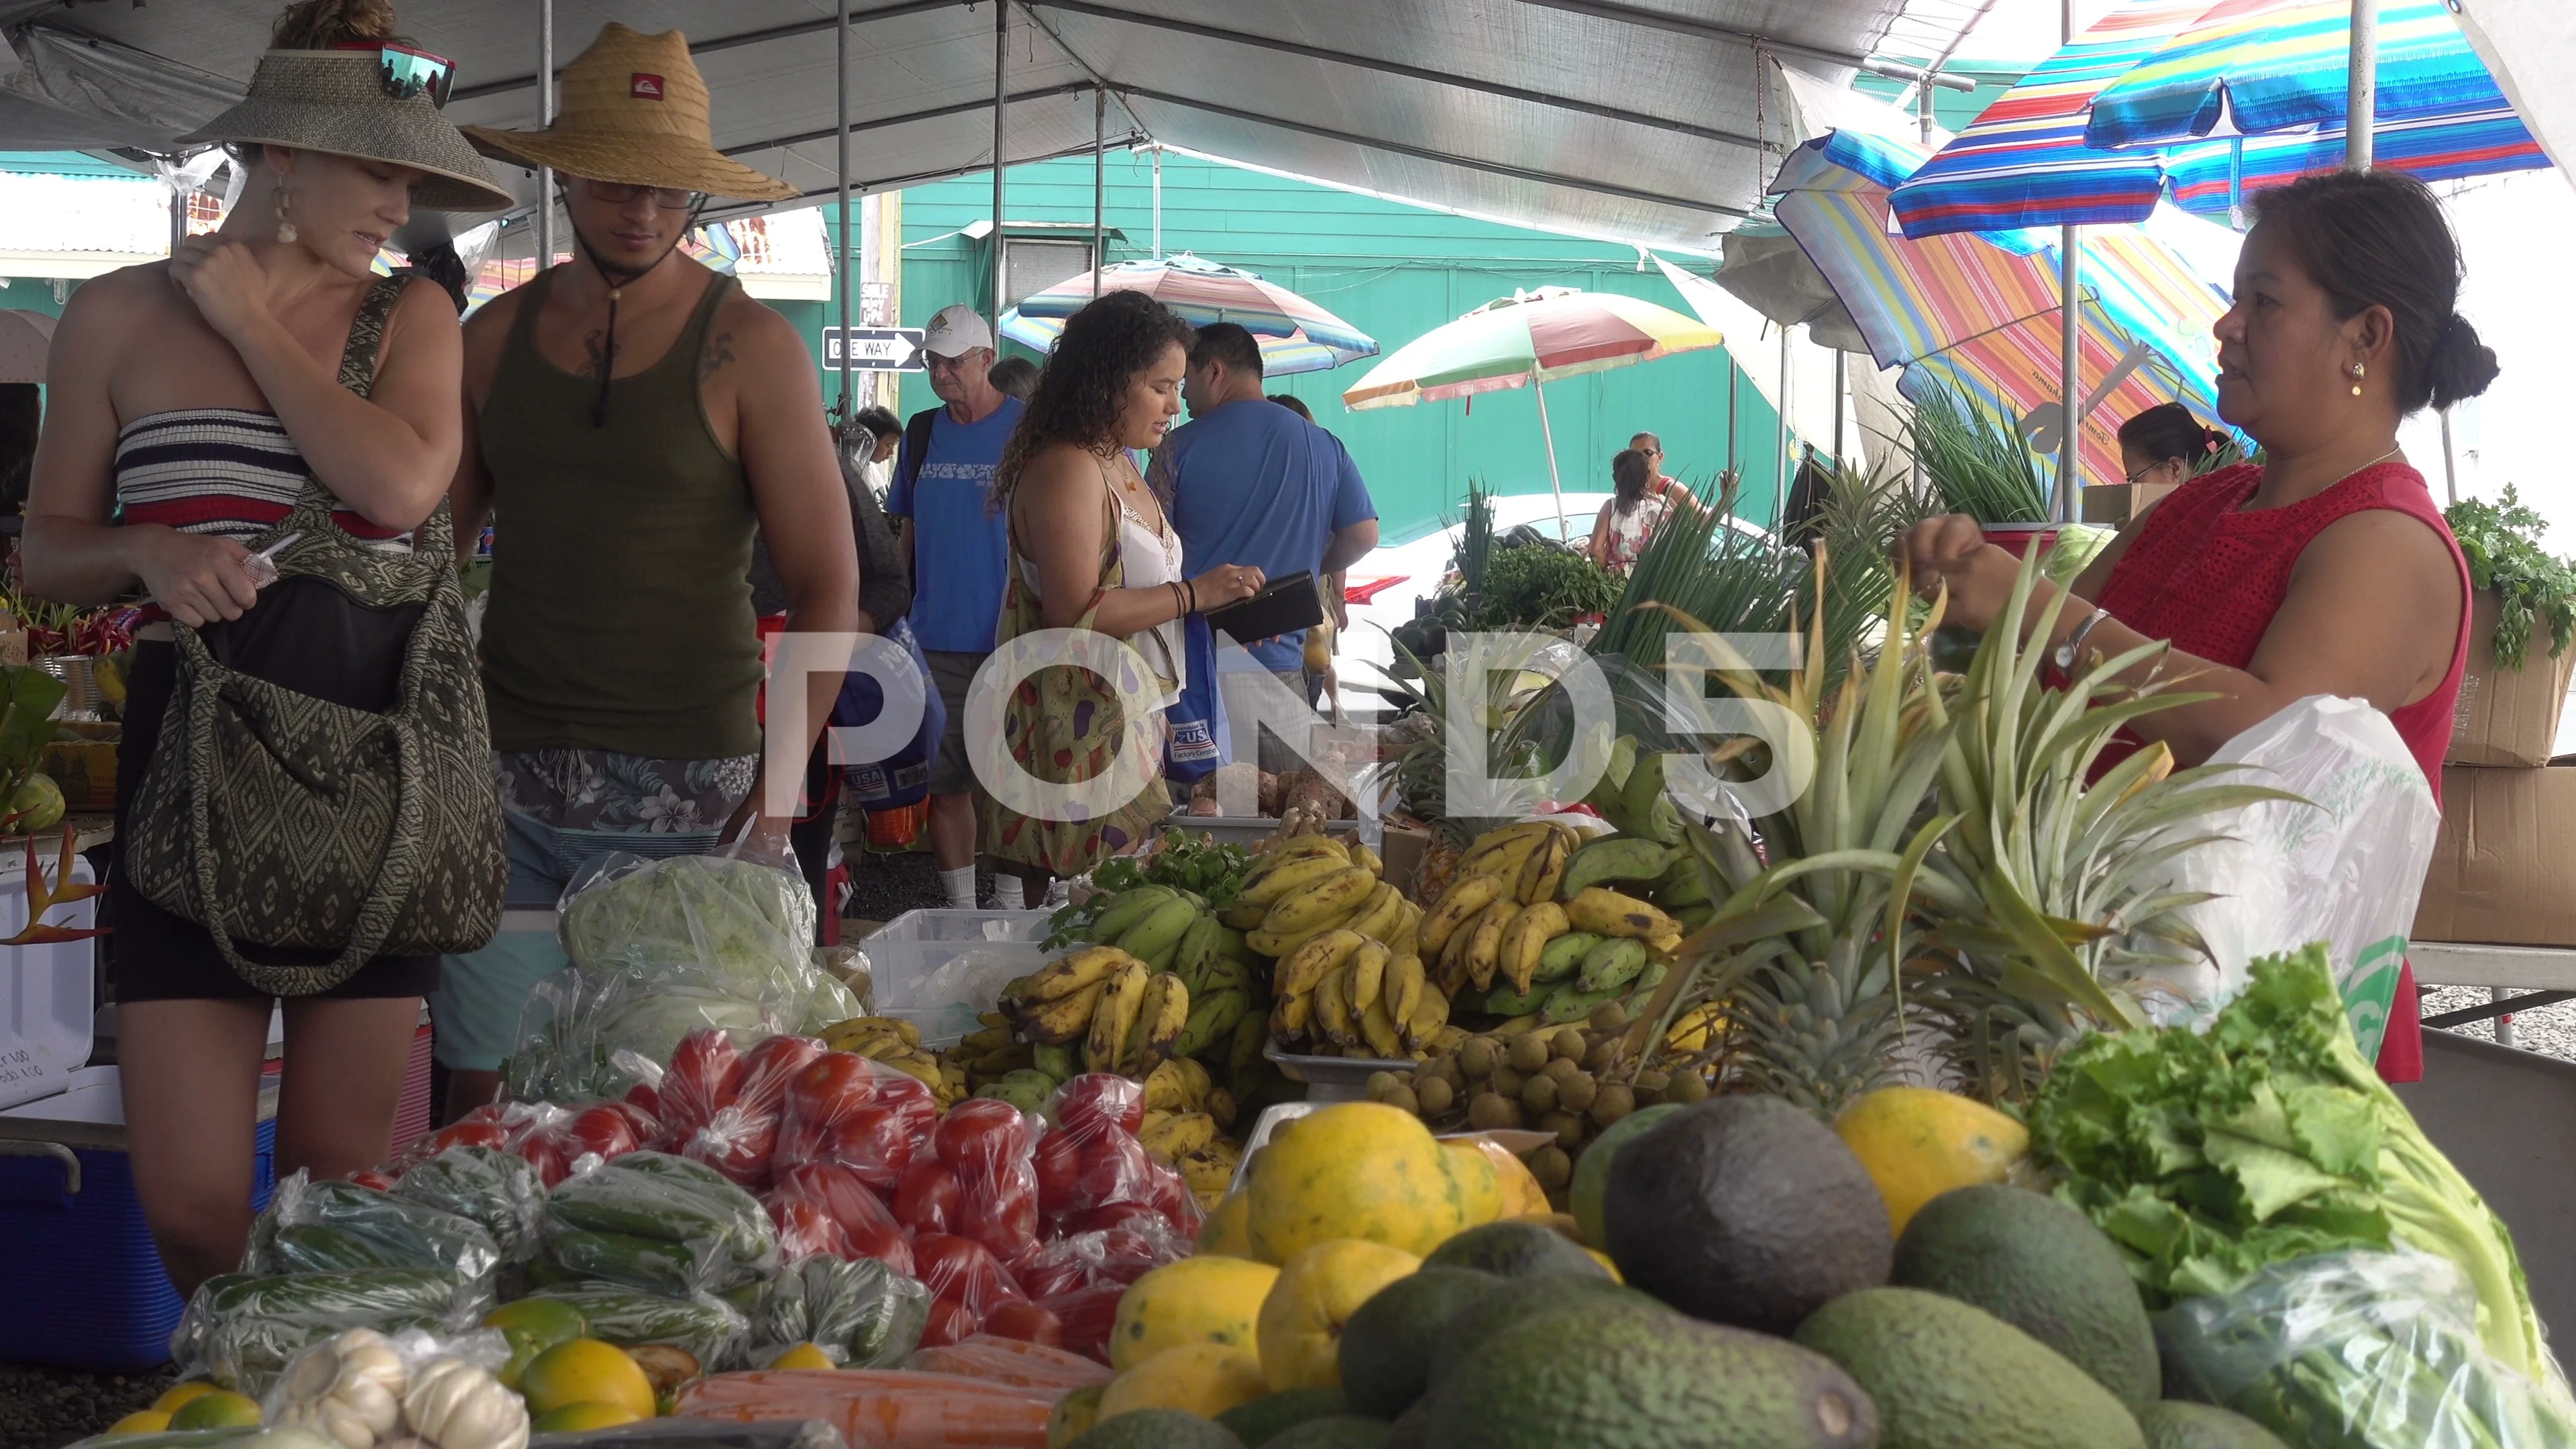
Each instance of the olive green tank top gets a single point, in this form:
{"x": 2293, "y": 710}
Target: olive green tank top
{"x": 620, "y": 615}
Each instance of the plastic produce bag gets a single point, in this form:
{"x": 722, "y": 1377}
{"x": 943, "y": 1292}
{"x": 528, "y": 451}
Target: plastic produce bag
{"x": 864, "y": 1115}
{"x": 828, "y": 1208}
{"x": 1093, "y": 1159}
{"x": 990, "y": 1148}
{"x": 862, "y": 1314}
{"x": 880, "y": 1408}
{"x": 711, "y": 1330}
{"x": 587, "y": 1035}
{"x": 751, "y": 923}
{"x": 2346, "y": 870}
{"x": 499, "y": 1190}
{"x": 698, "y": 1434}
{"x": 832, "y": 1002}
{"x": 341, "y": 1227}
{"x": 2359, "y": 1350}
{"x": 651, "y": 1220}
{"x": 241, "y": 1330}
{"x": 740, "y": 1136}
{"x": 359, "y": 1381}
{"x": 1011, "y": 1361}
{"x": 965, "y": 1281}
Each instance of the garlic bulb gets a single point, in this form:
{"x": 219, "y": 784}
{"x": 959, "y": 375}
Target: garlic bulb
{"x": 454, "y": 1405}
{"x": 348, "y": 1388}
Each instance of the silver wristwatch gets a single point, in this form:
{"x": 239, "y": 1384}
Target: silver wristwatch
{"x": 2072, "y": 650}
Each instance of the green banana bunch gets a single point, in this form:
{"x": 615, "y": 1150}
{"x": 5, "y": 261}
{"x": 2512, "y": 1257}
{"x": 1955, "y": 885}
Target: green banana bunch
{"x": 1213, "y": 1018}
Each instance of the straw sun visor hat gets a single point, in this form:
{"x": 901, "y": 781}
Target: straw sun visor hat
{"x": 338, "y": 101}
{"x": 634, "y": 112}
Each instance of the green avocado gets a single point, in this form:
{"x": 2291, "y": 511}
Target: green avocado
{"x": 1747, "y": 1211}
{"x": 1512, "y": 1249}
{"x": 1515, "y": 1301}
{"x": 1271, "y": 1415}
{"x": 1337, "y": 1431}
{"x": 1611, "y": 1375}
{"x": 1592, "y": 1169}
{"x": 1157, "y": 1429}
{"x": 1948, "y": 1376}
{"x": 1385, "y": 1349}
{"x": 2172, "y": 1424}
{"x": 2042, "y": 1267}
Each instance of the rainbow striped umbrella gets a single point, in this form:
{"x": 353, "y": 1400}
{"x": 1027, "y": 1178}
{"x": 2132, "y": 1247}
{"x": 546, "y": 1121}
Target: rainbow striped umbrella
{"x": 2210, "y": 101}
{"x": 1204, "y": 292}
{"x": 1978, "y": 314}
{"x": 1528, "y": 339}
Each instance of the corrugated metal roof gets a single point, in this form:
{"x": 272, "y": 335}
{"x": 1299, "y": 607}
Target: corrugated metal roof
{"x": 1632, "y": 118}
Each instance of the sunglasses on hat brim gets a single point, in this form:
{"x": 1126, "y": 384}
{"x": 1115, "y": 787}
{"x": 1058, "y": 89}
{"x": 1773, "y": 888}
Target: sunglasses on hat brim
{"x": 406, "y": 72}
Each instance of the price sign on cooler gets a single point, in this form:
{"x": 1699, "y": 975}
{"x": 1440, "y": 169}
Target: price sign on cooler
{"x": 874, "y": 349}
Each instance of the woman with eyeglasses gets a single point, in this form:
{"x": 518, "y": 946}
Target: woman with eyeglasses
{"x": 2324, "y": 569}
{"x": 193, "y": 402}
{"x": 2165, "y": 447}
{"x": 632, "y": 417}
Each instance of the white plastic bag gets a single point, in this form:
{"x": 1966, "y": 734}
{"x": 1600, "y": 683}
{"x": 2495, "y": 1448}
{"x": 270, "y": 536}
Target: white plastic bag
{"x": 2344, "y": 864}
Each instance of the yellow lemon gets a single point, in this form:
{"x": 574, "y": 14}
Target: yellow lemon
{"x": 179, "y": 1394}
{"x": 803, "y": 1356}
{"x": 1228, "y": 1228}
{"x": 142, "y": 1421}
{"x": 586, "y": 1371}
{"x": 585, "y": 1415}
{"x": 1359, "y": 1170}
{"x": 222, "y": 1409}
{"x": 1300, "y": 1328}
{"x": 1196, "y": 1300}
{"x": 1205, "y": 1379}
{"x": 547, "y": 1320}
{"x": 1918, "y": 1144}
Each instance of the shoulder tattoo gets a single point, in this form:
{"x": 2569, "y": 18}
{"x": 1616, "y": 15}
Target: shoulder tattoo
{"x": 719, "y": 352}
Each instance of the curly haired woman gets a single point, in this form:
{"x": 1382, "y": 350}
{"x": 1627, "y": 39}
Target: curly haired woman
{"x": 1072, "y": 755}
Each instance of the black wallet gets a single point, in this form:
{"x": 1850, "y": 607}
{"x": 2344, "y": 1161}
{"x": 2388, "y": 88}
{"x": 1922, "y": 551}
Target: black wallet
{"x": 1283, "y": 606}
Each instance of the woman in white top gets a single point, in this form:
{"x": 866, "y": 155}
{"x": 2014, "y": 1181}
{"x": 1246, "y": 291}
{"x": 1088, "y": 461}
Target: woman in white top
{"x": 1629, "y": 518}
{"x": 1090, "y": 549}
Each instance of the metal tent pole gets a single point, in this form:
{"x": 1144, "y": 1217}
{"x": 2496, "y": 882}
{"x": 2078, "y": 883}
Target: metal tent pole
{"x": 1001, "y": 63}
{"x": 2450, "y": 468}
{"x": 1548, "y": 436}
{"x": 2070, "y": 340}
{"x": 2361, "y": 95}
{"x": 841, "y": 162}
{"x": 1158, "y": 203}
{"x": 1842, "y": 393}
{"x": 1099, "y": 180}
{"x": 1780, "y": 498}
{"x": 545, "y": 118}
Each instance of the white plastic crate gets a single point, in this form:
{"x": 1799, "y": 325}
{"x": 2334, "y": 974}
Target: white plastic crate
{"x": 46, "y": 1004}
{"x": 937, "y": 969}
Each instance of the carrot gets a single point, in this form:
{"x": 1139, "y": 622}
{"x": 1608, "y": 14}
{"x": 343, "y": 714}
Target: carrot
{"x": 879, "y": 1408}
{"x": 991, "y": 1359}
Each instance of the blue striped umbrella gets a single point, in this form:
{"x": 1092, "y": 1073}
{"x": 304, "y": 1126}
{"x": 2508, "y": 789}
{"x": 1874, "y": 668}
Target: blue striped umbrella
{"x": 2195, "y": 81}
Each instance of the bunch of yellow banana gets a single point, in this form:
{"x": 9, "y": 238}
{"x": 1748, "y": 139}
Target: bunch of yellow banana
{"x": 1126, "y": 1016}
{"x": 1352, "y": 993}
{"x": 1170, "y": 1136}
{"x": 1182, "y": 1084}
{"x": 1209, "y": 1170}
{"x": 898, "y": 1044}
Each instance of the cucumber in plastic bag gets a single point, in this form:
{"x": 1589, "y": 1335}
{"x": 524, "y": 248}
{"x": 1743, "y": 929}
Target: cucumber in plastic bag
{"x": 335, "y": 1226}
{"x": 651, "y": 1263}
{"x": 241, "y": 1329}
{"x": 498, "y": 1190}
{"x": 862, "y": 1313}
{"x": 671, "y": 1200}
{"x": 707, "y": 1326}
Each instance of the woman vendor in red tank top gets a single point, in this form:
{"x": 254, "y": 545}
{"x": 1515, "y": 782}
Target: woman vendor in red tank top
{"x": 2325, "y": 568}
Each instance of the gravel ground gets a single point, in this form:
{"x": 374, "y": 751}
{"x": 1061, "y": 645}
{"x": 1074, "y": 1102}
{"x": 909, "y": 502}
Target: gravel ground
{"x": 2548, "y": 1030}
{"x": 44, "y": 1408}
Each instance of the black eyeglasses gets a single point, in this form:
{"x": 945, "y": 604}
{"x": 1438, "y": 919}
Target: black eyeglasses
{"x": 669, "y": 198}
{"x": 2142, "y": 472}
{"x": 407, "y": 72}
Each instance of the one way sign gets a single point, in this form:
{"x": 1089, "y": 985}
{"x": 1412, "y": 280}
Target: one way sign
{"x": 874, "y": 349}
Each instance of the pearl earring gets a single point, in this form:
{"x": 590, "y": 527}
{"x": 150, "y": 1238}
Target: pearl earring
{"x": 285, "y": 216}
{"x": 2357, "y": 373}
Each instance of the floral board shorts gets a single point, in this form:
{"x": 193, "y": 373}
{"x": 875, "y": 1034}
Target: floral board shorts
{"x": 565, "y": 808}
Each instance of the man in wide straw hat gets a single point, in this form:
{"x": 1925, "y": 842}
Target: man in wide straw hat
{"x": 632, "y": 416}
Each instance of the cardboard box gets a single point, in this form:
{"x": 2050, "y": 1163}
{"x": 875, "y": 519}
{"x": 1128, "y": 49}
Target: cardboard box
{"x": 1402, "y": 852}
{"x": 2115, "y": 504}
{"x": 2504, "y": 870}
{"x": 2508, "y": 717}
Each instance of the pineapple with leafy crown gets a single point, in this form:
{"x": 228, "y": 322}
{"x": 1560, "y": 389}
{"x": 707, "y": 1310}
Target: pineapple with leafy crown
{"x": 1944, "y": 868}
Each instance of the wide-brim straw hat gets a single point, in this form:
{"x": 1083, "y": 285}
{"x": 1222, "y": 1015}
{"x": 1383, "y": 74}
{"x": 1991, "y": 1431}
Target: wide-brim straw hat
{"x": 336, "y": 101}
{"x": 634, "y": 111}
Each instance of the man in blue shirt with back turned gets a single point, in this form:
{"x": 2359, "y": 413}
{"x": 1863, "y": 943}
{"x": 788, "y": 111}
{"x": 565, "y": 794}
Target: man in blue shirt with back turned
{"x": 1253, "y": 483}
{"x": 956, "y": 545}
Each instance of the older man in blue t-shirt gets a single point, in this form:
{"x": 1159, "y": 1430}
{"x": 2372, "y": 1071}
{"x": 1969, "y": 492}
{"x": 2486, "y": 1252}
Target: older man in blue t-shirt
{"x": 1253, "y": 483}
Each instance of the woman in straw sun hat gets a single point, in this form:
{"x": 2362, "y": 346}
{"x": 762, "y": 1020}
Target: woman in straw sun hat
{"x": 197, "y": 396}
{"x": 631, "y": 417}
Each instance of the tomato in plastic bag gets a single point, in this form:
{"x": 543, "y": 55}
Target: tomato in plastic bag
{"x": 1087, "y": 1317}
{"x": 928, "y": 1199}
{"x": 1058, "y": 1161}
{"x": 1028, "y": 1322}
{"x": 982, "y": 1137}
{"x": 646, "y": 1097}
{"x": 1172, "y": 1199}
{"x": 550, "y": 1154}
{"x": 704, "y": 1077}
{"x": 870, "y": 1230}
{"x": 1048, "y": 1269}
{"x": 606, "y": 1130}
{"x": 1098, "y": 1102}
{"x": 376, "y": 1178}
{"x": 949, "y": 1323}
{"x": 961, "y": 1270}
{"x": 805, "y": 1229}
{"x": 1115, "y": 1169}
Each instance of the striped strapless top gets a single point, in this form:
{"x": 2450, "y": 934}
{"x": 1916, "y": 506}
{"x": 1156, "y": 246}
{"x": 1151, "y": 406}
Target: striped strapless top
{"x": 221, "y": 471}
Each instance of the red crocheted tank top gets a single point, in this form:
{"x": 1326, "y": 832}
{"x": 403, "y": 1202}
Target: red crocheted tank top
{"x": 2209, "y": 575}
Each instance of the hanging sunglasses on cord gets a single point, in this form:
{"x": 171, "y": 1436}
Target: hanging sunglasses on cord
{"x": 407, "y": 72}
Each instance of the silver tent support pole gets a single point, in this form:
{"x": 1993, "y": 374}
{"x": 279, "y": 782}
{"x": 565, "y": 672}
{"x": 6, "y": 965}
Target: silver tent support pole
{"x": 2361, "y": 96}
{"x": 2070, "y": 341}
{"x": 1001, "y": 95}
{"x": 545, "y": 118}
{"x": 841, "y": 163}
{"x": 1099, "y": 180}
{"x": 1780, "y": 500}
{"x": 1842, "y": 395}
{"x": 1158, "y": 203}
{"x": 2450, "y": 467}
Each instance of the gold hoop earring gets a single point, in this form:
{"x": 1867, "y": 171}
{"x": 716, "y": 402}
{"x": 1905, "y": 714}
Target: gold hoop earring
{"x": 2359, "y": 370}
{"x": 285, "y": 215}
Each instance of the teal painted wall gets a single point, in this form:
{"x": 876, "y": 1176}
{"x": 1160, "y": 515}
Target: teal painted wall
{"x": 1395, "y": 272}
